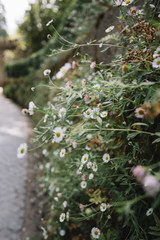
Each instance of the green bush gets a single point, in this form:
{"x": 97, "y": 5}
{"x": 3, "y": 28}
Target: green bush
{"x": 100, "y": 133}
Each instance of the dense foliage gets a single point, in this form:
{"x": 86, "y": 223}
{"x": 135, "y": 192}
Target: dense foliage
{"x": 100, "y": 134}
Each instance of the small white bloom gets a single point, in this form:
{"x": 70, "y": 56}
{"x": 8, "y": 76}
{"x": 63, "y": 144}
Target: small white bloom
{"x": 62, "y": 112}
{"x": 22, "y": 150}
{"x": 126, "y": 2}
{"x": 103, "y": 207}
{"x": 91, "y": 176}
{"x": 45, "y": 152}
{"x": 95, "y": 113}
{"x": 67, "y": 216}
{"x": 106, "y": 157}
{"x": 94, "y": 167}
{"x": 109, "y": 29}
{"x": 62, "y": 232}
{"x": 46, "y": 72}
{"x": 83, "y": 184}
{"x": 156, "y": 53}
{"x": 95, "y": 233}
{"x": 80, "y": 167}
{"x": 156, "y": 63}
{"x": 89, "y": 136}
{"x": 139, "y": 12}
{"x": 96, "y": 86}
{"x": 45, "y": 235}
{"x": 58, "y": 134}
{"x": 88, "y": 113}
{"x": 45, "y": 118}
{"x": 65, "y": 204}
{"x": 93, "y": 64}
{"x": 149, "y": 212}
{"x": 84, "y": 158}
{"x": 62, "y": 217}
{"x": 48, "y": 23}
{"x": 31, "y": 108}
{"x": 89, "y": 165}
{"x": 63, "y": 70}
{"x": 103, "y": 114}
{"x": 48, "y": 165}
{"x": 88, "y": 147}
{"x": 62, "y": 152}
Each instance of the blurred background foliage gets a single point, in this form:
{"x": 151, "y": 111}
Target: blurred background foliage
{"x": 72, "y": 19}
{"x": 3, "y": 32}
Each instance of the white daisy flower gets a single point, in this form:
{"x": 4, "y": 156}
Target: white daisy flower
{"x": 103, "y": 207}
{"x": 103, "y": 114}
{"x": 88, "y": 113}
{"x": 156, "y": 53}
{"x": 80, "y": 167}
{"x": 95, "y": 232}
{"x": 89, "y": 136}
{"x": 91, "y": 176}
{"x": 94, "y": 167}
{"x": 46, "y": 72}
{"x": 106, "y": 158}
{"x": 88, "y": 147}
{"x": 62, "y": 232}
{"x": 84, "y": 158}
{"x": 62, "y": 153}
{"x": 62, "y": 112}
{"x": 31, "y": 108}
{"x": 58, "y": 134}
{"x": 22, "y": 150}
{"x": 156, "y": 63}
{"x": 96, "y": 86}
{"x": 89, "y": 165}
{"x": 62, "y": 217}
{"x": 139, "y": 12}
{"x": 149, "y": 212}
{"x": 126, "y": 2}
{"x": 83, "y": 184}
{"x": 48, "y": 23}
{"x": 95, "y": 113}
{"x": 63, "y": 70}
{"x": 65, "y": 204}
{"x": 140, "y": 112}
{"x": 109, "y": 29}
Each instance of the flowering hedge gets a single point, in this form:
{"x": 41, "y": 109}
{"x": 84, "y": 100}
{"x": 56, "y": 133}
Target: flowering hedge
{"x": 100, "y": 133}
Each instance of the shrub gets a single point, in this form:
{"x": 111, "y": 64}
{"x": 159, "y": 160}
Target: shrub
{"x": 100, "y": 133}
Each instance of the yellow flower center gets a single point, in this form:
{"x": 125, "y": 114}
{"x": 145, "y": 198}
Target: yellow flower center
{"x": 158, "y": 62}
{"x": 64, "y": 70}
{"x": 140, "y": 112}
{"x": 96, "y": 232}
{"x": 128, "y": 1}
{"x": 22, "y": 150}
{"x": 62, "y": 112}
{"x": 58, "y": 134}
{"x": 106, "y": 157}
{"x": 88, "y": 112}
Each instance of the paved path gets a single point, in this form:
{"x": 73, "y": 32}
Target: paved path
{"x": 13, "y": 171}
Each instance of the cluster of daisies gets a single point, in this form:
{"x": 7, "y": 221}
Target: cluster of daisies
{"x": 78, "y": 106}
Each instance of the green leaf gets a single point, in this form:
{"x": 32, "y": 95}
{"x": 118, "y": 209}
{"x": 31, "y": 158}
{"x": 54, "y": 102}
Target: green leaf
{"x": 156, "y": 219}
{"x": 140, "y": 124}
{"x": 156, "y": 141}
{"x": 132, "y": 135}
{"x": 155, "y": 233}
{"x": 99, "y": 120}
{"x": 157, "y": 134}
